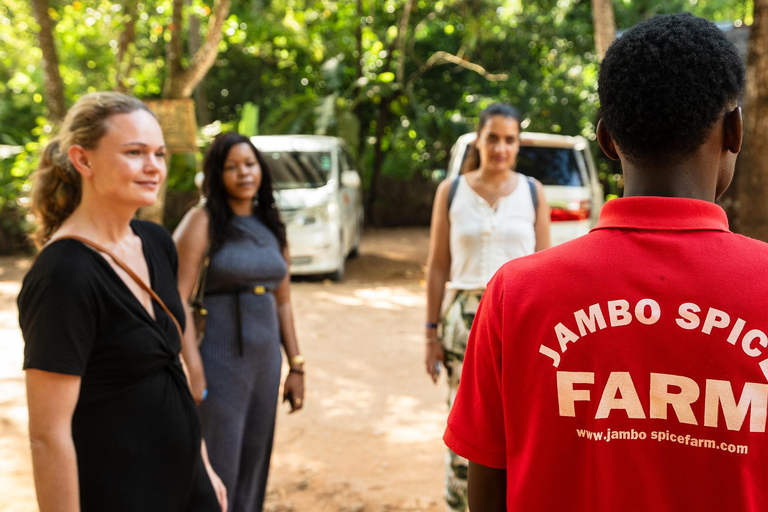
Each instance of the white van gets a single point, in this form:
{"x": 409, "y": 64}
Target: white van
{"x": 565, "y": 167}
{"x": 319, "y": 194}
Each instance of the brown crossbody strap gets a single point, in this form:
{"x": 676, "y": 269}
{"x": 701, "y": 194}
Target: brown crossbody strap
{"x": 131, "y": 273}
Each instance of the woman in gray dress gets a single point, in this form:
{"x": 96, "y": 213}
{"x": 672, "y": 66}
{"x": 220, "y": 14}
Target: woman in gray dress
{"x": 235, "y": 373}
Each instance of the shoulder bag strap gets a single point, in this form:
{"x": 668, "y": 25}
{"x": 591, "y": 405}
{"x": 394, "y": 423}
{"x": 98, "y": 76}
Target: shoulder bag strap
{"x": 133, "y": 275}
{"x": 452, "y": 191}
{"x": 534, "y": 196}
{"x": 198, "y": 293}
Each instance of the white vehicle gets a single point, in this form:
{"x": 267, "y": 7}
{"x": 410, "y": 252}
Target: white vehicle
{"x": 319, "y": 194}
{"x": 565, "y": 167}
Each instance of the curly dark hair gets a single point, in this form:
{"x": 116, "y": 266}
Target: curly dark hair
{"x": 221, "y": 214}
{"x": 664, "y": 84}
{"x": 472, "y": 161}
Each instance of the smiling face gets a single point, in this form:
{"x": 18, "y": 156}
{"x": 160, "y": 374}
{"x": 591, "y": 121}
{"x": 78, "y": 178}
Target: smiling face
{"x": 498, "y": 143}
{"x": 127, "y": 166}
{"x": 242, "y": 173}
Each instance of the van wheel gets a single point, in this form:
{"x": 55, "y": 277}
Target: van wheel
{"x": 355, "y": 252}
{"x": 338, "y": 275}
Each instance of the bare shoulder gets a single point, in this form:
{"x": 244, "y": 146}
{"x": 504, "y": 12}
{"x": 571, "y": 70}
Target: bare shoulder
{"x": 194, "y": 224}
{"x": 445, "y": 186}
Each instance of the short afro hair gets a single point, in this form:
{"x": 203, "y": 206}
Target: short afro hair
{"x": 663, "y": 85}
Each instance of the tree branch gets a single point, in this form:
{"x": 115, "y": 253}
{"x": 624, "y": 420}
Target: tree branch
{"x": 186, "y": 81}
{"x": 442, "y": 57}
{"x": 54, "y": 86}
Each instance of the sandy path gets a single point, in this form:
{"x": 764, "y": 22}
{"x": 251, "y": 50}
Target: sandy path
{"x": 369, "y": 437}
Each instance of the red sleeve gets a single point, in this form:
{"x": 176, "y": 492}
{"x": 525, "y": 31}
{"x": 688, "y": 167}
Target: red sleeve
{"x": 476, "y": 421}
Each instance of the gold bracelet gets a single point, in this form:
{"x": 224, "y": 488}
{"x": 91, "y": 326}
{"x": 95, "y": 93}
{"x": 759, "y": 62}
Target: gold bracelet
{"x": 432, "y": 340}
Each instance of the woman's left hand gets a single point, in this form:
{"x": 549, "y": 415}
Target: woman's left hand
{"x": 293, "y": 390}
{"x": 218, "y": 487}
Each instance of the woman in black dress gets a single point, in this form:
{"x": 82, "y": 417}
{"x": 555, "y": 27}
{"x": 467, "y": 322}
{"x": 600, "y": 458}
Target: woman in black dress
{"x": 112, "y": 423}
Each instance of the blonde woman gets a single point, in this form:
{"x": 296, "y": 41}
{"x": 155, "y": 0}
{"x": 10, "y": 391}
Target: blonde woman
{"x": 112, "y": 423}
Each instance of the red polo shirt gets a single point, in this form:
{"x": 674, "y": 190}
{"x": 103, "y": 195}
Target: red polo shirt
{"x": 625, "y": 370}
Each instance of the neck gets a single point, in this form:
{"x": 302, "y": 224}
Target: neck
{"x": 241, "y": 207}
{"x": 100, "y": 222}
{"x": 487, "y": 175}
{"x": 687, "y": 179}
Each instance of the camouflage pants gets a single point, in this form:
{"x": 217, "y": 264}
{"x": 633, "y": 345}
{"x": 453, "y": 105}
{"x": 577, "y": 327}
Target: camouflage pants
{"x": 457, "y": 322}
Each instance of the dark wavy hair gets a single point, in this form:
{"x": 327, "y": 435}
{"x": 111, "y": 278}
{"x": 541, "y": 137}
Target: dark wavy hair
{"x": 664, "y": 84}
{"x": 472, "y": 161}
{"x": 221, "y": 214}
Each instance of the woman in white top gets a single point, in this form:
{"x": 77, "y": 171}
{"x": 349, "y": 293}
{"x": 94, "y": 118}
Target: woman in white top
{"x": 485, "y": 219}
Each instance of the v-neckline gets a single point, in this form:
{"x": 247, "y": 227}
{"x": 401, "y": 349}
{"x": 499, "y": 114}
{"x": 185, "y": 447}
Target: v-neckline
{"x": 126, "y": 288}
{"x": 495, "y": 206}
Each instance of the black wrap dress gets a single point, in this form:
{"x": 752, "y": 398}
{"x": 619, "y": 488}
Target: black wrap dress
{"x": 135, "y": 427}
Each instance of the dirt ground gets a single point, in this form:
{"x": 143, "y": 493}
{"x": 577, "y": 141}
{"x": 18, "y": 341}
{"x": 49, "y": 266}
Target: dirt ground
{"x": 369, "y": 437}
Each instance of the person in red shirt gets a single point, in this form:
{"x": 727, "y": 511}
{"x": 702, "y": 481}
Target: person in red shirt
{"x": 628, "y": 369}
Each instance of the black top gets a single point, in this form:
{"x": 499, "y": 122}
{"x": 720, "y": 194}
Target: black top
{"x": 135, "y": 427}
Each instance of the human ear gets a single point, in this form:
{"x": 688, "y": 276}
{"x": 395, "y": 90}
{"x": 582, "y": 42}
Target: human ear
{"x": 733, "y": 130}
{"x": 606, "y": 141}
{"x": 80, "y": 160}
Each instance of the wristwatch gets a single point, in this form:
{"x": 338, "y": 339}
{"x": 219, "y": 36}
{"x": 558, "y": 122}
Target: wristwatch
{"x": 296, "y": 360}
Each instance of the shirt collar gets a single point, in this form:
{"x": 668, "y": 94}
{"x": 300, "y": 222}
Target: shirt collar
{"x": 662, "y": 213}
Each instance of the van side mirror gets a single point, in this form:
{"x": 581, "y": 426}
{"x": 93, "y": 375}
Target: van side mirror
{"x": 350, "y": 179}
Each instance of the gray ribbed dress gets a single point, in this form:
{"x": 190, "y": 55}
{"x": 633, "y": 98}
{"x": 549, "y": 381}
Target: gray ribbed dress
{"x": 242, "y": 361}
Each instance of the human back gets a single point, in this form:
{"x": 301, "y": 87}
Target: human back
{"x": 656, "y": 360}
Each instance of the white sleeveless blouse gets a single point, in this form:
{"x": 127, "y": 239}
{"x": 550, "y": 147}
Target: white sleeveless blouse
{"x": 483, "y": 239}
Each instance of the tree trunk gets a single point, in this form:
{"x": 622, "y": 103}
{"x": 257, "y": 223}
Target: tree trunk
{"x": 401, "y": 37}
{"x": 383, "y": 119}
{"x": 173, "y": 60}
{"x": 751, "y": 208}
{"x": 54, "y": 86}
{"x": 605, "y": 25}
{"x": 359, "y": 110}
{"x": 378, "y": 155}
{"x": 124, "y": 59}
{"x": 181, "y": 82}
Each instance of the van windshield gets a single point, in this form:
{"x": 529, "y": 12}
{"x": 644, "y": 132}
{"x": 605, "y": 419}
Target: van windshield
{"x": 551, "y": 166}
{"x": 298, "y": 169}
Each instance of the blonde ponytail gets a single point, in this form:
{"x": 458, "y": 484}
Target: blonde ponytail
{"x": 55, "y": 192}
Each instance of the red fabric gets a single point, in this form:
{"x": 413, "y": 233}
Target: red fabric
{"x": 668, "y": 388}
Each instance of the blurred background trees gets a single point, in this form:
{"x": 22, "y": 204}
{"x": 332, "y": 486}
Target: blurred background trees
{"x": 399, "y": 80}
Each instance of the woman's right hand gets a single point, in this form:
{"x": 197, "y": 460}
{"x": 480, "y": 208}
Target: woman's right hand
{"x": 433, "y": 358}
{"x": 197, "y": 383}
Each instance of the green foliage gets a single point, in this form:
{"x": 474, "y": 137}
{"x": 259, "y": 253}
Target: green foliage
{"x": 290, "y": 66}
{"x": 249, "y": 123}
